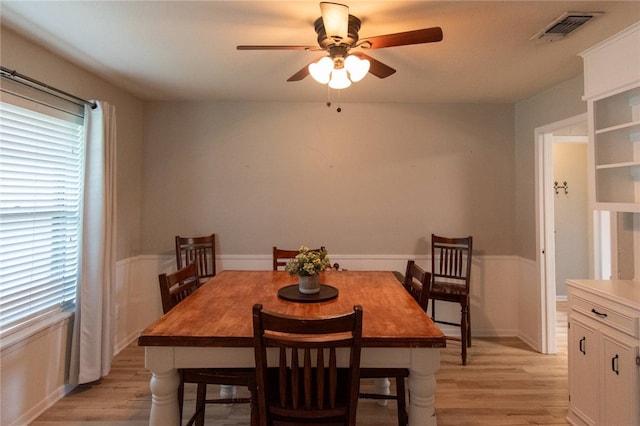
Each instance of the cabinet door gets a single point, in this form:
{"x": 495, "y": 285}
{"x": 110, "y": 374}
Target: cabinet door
{"x": 621, "y": 400}
{"x": 583, "y": 373}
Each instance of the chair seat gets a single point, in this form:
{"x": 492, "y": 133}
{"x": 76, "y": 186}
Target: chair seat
{"x": 448, "y": 288}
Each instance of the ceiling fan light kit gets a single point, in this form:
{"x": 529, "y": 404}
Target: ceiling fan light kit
{"x": 339, "y": 79}
{"x": 337, "y": 32}
{"x": 339, "y": 72}
{"x": 357, "y": 68}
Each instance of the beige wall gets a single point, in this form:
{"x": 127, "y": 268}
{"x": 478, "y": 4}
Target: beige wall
{"x": 554, "y": 104}
{"x": 373, "y": 179}
{"x": 30, "y": 59}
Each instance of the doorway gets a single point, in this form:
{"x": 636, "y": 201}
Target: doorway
{"x": 575, "y": 129}
{"x": 570, "y": 207}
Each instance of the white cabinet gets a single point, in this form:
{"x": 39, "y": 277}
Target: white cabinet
{"x": 604, "y": 361}
{"x": 612, "y": 91}
{"x": 583, "y": 346}
{"x": 620, "y": 382}
{"x": 616, "y": 151}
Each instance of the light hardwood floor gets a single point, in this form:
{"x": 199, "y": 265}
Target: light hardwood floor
{"x": 504, "y": 383}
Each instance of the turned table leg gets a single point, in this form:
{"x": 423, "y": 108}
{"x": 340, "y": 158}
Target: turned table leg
{"x": 164, "y": 398}
{"x": 422, "y": 386}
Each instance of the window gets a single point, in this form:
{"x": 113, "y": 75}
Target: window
{"x": 41, "y": 183}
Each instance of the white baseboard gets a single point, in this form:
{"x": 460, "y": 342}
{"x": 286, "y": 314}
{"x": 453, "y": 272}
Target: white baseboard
{"x": 119, "y": 346}
{"x": 34, "y": 412}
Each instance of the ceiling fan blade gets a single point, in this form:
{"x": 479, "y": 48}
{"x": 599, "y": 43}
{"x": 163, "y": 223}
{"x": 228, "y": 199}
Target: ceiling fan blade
{"x": 304, "y": 71}
{"x": 425, "y": 35}
{"x": 335, "y": 18}
{"x": 376, "y": 67}
{"x": 276, "y": 47}
{"x": 300, "y": 75}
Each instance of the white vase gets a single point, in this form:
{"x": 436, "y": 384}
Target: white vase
{"x": 309, "y": 284}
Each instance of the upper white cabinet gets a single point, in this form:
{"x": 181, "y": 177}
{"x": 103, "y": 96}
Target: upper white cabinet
{"x": 612, "y": 91}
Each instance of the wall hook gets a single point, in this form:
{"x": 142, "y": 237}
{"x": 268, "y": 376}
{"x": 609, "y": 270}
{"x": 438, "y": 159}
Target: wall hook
{"x": 563, "y": 186}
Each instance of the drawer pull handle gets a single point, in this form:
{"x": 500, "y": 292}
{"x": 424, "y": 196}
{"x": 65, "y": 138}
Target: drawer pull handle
{"x": 581, "y": 345}
{"x": 600, "y": 314}
{"x": 614, "y": 365}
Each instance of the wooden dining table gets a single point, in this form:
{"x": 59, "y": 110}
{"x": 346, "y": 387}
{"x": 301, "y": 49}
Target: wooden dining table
{"x": 213, "y": 328}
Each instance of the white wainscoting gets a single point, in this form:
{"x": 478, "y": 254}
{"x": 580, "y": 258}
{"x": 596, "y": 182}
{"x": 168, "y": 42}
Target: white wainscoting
{"x": 528, "y": 306}
{"x": 495, "y": 287}
{"x": 504, "y": 302}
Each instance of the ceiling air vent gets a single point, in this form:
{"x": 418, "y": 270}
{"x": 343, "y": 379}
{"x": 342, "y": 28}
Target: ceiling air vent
{"x": 565, "y": 25}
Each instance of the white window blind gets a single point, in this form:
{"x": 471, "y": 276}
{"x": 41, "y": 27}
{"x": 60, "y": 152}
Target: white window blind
{"x": 41, "y": 183}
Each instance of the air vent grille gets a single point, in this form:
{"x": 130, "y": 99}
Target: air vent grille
{"x": 566, "y": 24}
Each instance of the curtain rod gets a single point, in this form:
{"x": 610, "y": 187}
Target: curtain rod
{"x": 43, "y": 87}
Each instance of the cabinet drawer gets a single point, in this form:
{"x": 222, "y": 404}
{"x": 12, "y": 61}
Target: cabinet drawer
{"x": 622, "y": 320}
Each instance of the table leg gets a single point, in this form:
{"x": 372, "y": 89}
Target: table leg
{"x": 228, "y": 391}
{"x": 382, "y": 387}
{"x": 164, "y": 398}
{"x": 422, "y": 386}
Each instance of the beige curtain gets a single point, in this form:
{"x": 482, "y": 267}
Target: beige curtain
{"x": 94, "y": 327}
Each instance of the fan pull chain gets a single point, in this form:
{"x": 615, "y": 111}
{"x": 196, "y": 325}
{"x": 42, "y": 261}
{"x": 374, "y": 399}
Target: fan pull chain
{"x": 339, "y": 109}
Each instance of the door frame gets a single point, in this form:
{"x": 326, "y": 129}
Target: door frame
{"x": 545, "y": 241}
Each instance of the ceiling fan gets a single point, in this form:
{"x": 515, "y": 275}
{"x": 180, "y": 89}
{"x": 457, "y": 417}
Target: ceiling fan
{"x": 337, "y": 32}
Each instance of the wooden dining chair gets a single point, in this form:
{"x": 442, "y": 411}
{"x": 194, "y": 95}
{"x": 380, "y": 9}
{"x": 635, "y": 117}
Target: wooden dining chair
{"x": 198, "y": 250}
{"x": 306, "y": 386}
{"x": 450, "y": 272}
{"x": 177, "y": 286}
{"x": 418, "y": 283}
{"x": 282, "y": 256}
{"x": 174, "y": 288}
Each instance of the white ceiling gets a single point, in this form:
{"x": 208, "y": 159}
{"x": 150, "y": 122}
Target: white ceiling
{"x": 186, "y": 50}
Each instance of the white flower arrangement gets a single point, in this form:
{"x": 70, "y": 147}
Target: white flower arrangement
{"x": 308, "y": 262}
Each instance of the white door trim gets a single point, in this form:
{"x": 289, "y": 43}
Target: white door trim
{"x": 545, "y": 243}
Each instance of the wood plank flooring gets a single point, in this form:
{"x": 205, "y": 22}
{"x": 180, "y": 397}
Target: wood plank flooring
{"x": 504, "y": 383}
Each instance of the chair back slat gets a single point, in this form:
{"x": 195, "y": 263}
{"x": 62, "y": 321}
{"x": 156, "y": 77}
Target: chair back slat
{"x": 198, "y": 250}
{"x": 320, "y": 372}
{"x": 451, "y": 261}
{"x": 282, "y": 377}
{"x": 333, "y": 378}
{"x": 310, "y": 384}
{"x": 295, "y": 381}
{"x": 307, "y": 382}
